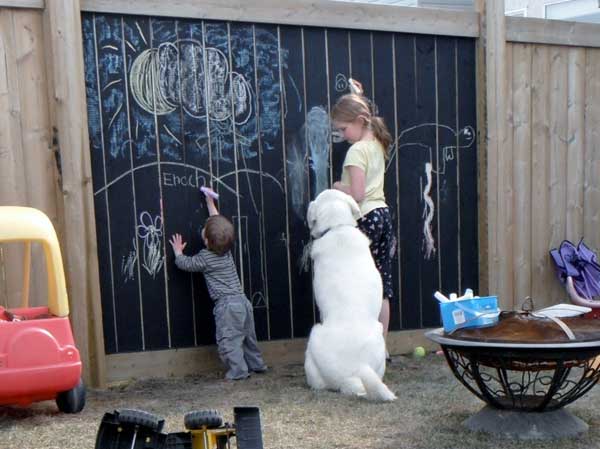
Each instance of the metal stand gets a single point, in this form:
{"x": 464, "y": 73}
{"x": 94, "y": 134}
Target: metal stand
{"x": 526, "y": 425}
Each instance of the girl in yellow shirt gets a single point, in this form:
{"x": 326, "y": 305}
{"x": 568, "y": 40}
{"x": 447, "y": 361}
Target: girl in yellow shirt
{"x": 362, "y": 178}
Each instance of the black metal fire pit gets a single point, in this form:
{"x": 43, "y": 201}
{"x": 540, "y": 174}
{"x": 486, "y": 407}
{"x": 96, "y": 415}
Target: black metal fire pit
{"x": 527, "y": 370}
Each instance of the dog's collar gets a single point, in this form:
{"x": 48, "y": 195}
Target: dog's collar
{"x": 329, "y": 229}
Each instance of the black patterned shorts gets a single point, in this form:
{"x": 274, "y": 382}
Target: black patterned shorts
{"x": 377, "y": 226}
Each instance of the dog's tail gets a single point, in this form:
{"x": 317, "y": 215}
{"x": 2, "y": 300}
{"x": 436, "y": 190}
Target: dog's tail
{"x": 376, "y": 389}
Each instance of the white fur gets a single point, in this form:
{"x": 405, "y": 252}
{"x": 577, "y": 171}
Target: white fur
{"x": 346, "y": 351}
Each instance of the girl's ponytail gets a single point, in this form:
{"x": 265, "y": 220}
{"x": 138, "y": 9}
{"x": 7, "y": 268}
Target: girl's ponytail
{"x": 381, "y": 133}
{"x": 355, "y": 87}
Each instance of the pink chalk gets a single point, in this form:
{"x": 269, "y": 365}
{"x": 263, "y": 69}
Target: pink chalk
{"x": 209, "y": 192}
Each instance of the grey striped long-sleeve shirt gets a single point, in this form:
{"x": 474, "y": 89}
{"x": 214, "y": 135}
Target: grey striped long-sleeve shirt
{"x": 219, "y": 271}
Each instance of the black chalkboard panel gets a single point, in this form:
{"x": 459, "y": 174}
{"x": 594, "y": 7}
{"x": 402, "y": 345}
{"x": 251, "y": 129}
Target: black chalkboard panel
{"x": 175, "y": 104}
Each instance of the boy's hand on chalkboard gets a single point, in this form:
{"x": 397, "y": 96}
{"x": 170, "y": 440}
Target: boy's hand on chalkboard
{"x": 178, "y": 244}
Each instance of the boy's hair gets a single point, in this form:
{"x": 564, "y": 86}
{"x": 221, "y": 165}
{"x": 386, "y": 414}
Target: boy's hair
{"x": 219, "y": 233}
{"x": 350, "y": 107}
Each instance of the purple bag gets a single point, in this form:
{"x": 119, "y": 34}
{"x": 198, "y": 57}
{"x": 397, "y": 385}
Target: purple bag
{"x": 581, "y": 264}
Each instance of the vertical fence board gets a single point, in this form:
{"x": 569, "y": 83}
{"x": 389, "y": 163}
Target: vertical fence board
{"x": 35, "y": 127}
{"x": 13, "y": 191}
{"x": 575, "y": 143}
{"x": 558, "y": 149}
{"x": 505, "y": 228}
{"x": 521, "y": 101}
{"x": 540, "y": 159}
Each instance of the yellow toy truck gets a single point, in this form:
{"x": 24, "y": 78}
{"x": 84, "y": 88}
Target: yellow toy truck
{"x": 137, "y": 429}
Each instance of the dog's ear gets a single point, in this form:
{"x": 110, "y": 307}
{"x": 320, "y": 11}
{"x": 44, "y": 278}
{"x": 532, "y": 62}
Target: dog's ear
{"x": 353, "y": 207}
{"x": 310, "y": 215}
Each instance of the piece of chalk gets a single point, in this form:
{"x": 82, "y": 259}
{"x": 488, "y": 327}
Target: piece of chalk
{"x": 440, "y": 297}
{"x": 209, "y": 192}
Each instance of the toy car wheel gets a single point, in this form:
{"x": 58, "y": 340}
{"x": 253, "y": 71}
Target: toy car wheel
{"x": 73, "y": 400}
{"x": 211, "y": 419}
{"x": 140, "y": 418}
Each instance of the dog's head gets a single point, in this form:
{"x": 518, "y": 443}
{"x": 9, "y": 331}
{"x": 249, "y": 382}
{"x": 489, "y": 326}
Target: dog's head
{"x": 331, "y": 208}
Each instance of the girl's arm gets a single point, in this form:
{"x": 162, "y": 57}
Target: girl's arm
{"x": 356, "y": 189}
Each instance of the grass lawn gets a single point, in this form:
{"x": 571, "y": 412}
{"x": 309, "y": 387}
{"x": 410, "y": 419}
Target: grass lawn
{"x": 427, "y": 415}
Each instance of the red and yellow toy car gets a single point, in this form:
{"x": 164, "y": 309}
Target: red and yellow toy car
{"x": 38, "y": 357}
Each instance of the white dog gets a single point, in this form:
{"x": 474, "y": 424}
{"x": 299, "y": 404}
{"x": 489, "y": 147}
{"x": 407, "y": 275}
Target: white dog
{"x": 346, "y": 352}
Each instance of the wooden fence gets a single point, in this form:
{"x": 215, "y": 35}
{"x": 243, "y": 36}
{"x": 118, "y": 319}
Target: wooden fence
{"x": 538, "y": 175}
{"x": 545, "y": 183}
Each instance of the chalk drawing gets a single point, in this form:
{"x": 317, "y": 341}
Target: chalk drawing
{"x": 197, "y": 80}
{"x": 297, "y": 173}
{"x": 169, "y": 179}
{"x": 317, "y": 135}
{"x": 128, "y": 263}
{"x": 312, "y": 139}
{"x": 413, "y": 137}
{"x": 242, "y": 99}
{"x": 145, "y": 85}
{"x": 150, "y": 231}
{"x": 268, "y": 85}
{"x": 172, "y": 75}
{"x": 288, "y": 79}
{"x": 341, "y": 83}
{"x": 194, "y": 180}
{"x": 258, "y": 300}
{"x": 428, "y": 212}
{"x": 423, "y": 137}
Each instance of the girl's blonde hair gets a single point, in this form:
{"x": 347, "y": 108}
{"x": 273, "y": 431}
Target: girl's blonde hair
{"x": 353, "y": 106}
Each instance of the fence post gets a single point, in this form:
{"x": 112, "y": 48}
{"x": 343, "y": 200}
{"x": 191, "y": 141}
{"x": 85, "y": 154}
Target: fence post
{"x": 62, "y": 22}
{"x": 498, "y": 210}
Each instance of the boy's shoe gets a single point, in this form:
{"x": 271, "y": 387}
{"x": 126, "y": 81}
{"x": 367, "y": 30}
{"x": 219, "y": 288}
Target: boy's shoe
{"x": 239, "y": 377}
{"x": 261, "y": 370}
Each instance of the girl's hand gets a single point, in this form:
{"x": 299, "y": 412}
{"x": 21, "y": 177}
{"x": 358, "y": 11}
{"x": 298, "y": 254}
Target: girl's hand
{"x": 339, "y": 186}
{"x": 178, "y": 244}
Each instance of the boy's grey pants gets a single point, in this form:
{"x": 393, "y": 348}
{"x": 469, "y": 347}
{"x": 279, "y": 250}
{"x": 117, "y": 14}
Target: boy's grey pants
{"x": 236, "y": 337}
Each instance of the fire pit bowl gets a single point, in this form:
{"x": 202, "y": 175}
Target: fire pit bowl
{"x": 526, "y": 367}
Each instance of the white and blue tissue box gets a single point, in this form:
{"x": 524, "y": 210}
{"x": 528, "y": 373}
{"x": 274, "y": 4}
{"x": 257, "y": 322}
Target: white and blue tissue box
{"x": 473, "y": 312}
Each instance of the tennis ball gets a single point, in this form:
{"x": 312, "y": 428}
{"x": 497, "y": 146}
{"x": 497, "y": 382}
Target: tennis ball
{"x": 419, "y": 351}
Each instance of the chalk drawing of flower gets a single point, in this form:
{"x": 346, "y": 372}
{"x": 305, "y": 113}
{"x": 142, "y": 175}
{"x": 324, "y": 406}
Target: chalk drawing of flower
{"x": 150, "y": 231}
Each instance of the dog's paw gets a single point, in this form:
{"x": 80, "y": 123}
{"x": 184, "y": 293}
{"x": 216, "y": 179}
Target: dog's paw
{"x": 388, "y": 396}
{"x": 353, "y": 386}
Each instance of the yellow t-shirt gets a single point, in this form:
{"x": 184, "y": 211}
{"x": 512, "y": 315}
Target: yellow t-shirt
{"x": 367, "y": 155}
